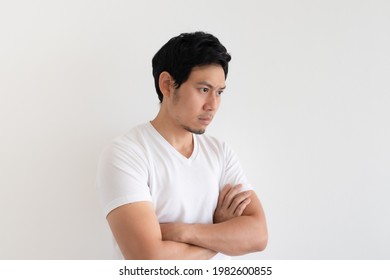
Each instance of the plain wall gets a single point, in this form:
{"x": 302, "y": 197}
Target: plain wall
{"x": 306, "y": 109}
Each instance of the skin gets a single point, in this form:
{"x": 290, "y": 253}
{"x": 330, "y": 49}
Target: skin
{"x": 239, "y": 222}
{"x": 190, "y": 108}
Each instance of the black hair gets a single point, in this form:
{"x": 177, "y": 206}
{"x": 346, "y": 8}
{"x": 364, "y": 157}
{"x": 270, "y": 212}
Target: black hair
{"x": 180, "y": 54}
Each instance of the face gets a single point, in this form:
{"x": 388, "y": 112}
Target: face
{"x": 194, "y": 104}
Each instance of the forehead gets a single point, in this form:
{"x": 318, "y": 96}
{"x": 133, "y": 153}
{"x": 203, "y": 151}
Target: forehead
{"x": 212, "y": 74}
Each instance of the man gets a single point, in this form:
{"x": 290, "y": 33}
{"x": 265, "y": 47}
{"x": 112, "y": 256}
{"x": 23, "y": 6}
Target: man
{"x": 170, "y": 192}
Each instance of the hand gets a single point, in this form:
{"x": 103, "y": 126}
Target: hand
{"x": 231, "y": 203}
{"x": 172, "y": 231}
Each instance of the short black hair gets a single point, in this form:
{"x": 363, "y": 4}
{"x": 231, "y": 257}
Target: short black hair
{"x": 182, "y": 53}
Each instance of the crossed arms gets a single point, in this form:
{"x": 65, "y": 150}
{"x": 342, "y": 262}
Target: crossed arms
{"x": 239, "y": 227}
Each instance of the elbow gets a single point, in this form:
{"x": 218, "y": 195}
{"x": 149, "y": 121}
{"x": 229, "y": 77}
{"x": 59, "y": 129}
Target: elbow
{"x": 153, "y": 251}
{"x": 261, "y": 243}
{"x": 253, "y": 245}
{"x": 146, "y": 256}
{"x": 262, "y": 236}
{"x": 262, "y": 240}
{"x": 139, "y": 256}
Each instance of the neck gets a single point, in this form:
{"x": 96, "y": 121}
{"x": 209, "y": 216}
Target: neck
{"x": 177, "y": 136}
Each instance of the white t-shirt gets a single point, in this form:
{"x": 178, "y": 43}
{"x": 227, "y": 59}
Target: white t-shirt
{"x": 142, "y": 166}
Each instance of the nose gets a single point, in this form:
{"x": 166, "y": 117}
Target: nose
{"x": 212, "y": 101}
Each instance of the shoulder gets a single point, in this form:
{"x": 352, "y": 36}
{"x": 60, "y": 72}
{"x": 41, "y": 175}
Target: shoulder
{"x": 130, "y": 144}
{"x": 134, "y": 136}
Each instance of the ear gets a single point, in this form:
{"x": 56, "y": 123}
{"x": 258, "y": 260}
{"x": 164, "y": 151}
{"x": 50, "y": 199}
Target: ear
{"x": 165, "y": 83}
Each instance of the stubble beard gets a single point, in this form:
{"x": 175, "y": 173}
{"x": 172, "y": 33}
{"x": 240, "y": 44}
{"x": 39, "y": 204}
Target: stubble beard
{"x": 195, "y": 131}
{"x": 176, "y": 98}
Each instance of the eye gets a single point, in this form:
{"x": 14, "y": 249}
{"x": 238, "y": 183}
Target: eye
{"x": 220, "y": 92}
{"x": 204, "y": 90}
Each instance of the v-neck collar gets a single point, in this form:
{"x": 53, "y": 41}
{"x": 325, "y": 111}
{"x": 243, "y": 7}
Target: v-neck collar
{"x": 172, "y": 149}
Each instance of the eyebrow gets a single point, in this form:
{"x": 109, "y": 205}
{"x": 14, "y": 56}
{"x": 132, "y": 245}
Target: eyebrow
{"x": 209, "y": 85}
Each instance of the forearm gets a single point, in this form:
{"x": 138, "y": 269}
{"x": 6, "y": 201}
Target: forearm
{"x": 172, "y": 250}
{"x": 158, "y": 249}
{"x": 237, "y": 236}
{"x": 139, "y": 236}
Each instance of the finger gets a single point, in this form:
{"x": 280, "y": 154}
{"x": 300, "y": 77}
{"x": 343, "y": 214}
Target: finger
{"x": 241, "y": 207}
{"x": 239, "y": 198}
{"x": 222, "y": 194}
{"x": 231, "y": 194}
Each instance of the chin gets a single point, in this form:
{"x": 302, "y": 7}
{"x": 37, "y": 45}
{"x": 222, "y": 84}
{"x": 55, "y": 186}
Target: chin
{"x": 194, "y": 130}
{"x": 200, "y": 131}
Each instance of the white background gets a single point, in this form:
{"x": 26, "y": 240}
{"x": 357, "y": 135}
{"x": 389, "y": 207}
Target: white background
{"x": 306, "y": 110}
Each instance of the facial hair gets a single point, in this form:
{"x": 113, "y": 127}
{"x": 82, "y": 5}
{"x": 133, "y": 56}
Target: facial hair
{"x": 195, "y": 131}
{"x": 176, "y": 98}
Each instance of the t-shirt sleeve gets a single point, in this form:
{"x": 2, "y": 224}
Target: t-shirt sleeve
{"x": 233, "y": 172}
{"x": 122, "y": 177}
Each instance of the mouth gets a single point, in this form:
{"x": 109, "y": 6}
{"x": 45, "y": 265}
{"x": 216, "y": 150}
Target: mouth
{"x": 205, "y": 120}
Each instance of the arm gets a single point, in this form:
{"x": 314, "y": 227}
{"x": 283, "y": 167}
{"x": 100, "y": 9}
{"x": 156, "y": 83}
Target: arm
{"x": 236, "y": 236}
{"x": 137, "y": 232}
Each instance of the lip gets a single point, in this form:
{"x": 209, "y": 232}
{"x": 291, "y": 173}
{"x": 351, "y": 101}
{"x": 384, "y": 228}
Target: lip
{"x": 205, "y": 121}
